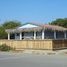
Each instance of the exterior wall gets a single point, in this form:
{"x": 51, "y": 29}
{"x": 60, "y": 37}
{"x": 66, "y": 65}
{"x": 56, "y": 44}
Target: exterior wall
{"x": 29, "y": 44}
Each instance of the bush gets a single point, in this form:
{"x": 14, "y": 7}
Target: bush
{"x": 4, "y": 47}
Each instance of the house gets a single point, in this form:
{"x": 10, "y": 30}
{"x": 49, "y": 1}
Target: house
{"x": 37, "y": 32}
{"x": 37, "y": 37}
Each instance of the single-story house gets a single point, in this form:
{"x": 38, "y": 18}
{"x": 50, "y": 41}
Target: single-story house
{"x": 37, "y": 37}
{"x": 33, "y": 32}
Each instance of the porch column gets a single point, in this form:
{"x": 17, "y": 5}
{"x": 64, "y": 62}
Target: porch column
{"x": 42, "y": 34}
{"x": 20, "y": 36}
{"x": 54, "y": 34}
{"x": 8, "y": 36}
{"x": 65, "y": 35}
{"x": 34, "y": 35}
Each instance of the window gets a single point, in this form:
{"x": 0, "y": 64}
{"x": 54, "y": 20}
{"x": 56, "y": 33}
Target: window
{"x": 17, "y": 34}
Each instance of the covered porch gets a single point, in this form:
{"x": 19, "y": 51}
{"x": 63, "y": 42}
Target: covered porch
{"x": 35, "y": 32}
{"x": 38, "y": 35}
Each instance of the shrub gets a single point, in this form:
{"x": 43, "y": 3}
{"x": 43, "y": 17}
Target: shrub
{"x": 4, "y": 47}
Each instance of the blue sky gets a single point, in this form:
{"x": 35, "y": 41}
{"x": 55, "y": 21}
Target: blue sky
{"x": 37, "y": 11}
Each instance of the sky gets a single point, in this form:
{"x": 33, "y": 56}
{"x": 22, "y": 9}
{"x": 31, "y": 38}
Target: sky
{"x": 36, "y": 11}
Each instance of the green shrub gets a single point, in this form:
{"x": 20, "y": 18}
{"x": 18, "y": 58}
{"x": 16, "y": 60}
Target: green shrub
{"x": 4, "y": 47}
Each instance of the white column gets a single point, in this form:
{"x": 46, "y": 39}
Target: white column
{"x": 34, "y": 35}
{"x": 8, "y": 36}
{"x": 54, "y": 34}
{"x": 42, "y": 34}
{"x": 65, "y": 35}
{"x": 20, "y": 36}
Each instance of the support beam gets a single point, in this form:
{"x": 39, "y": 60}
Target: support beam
{"x": 8, "y": 36}
{"x": 65, "y": 35}
{"x": 34, "y": 35}
{"x": 20, "y": 36}
{"x": 54, "y": 34}
{"x": 42, "y": 34}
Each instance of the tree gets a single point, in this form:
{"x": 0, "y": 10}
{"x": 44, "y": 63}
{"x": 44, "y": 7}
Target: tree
{"x": 3, "y": 34}
{"x": 11, "y": 24}
{"x": 7, "y": 25}
{"x": 60, "y": 22}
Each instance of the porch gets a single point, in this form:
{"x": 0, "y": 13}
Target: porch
{"x": 37, "y": 32}
{"x": 38, "y": 35}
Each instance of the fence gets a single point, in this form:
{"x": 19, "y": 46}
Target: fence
{"x": 35, "y": 44}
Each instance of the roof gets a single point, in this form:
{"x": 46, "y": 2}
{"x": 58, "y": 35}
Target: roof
{"x": 34, "y": 27}
{"x": 53, "y": 27}
{"x": 28, "y": 25}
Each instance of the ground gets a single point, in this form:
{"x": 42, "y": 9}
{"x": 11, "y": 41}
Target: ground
{"x": 9, "y": 59}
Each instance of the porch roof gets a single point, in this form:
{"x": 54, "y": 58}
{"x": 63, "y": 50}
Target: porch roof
{"x": 54, "y": 27}
{"x": 31, "y": 27}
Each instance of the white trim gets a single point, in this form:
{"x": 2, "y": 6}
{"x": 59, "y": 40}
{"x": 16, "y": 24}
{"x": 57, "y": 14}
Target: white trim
{"x": 20, "y": 36}
{"x": 8, "y": 36}
{"x": 65, "y": 35}
{"x": 42, "y": 34}
{"x": 54, "y": 34}
{"x": 34, "y": 35}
